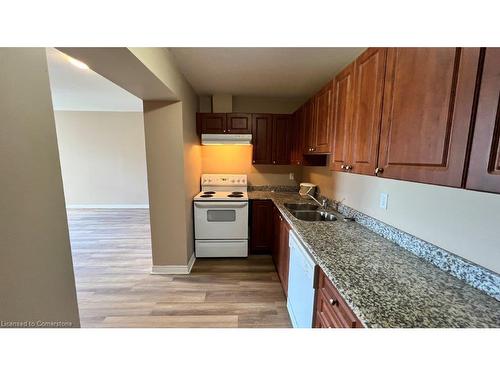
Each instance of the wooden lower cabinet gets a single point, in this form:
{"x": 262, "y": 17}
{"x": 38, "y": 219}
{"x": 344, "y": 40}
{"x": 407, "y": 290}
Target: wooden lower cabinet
{"x": 262, "y": 226}
{"x": 269, "y": 234}
{"x": 331, "y": 311}
{"x": 281, "y": 251}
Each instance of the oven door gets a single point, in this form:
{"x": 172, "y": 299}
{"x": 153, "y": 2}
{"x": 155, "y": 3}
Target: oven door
{"x": 220, "y": 220}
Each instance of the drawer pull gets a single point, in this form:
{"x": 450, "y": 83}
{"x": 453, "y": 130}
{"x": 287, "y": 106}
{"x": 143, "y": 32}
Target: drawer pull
{"x": 333, "y": 301}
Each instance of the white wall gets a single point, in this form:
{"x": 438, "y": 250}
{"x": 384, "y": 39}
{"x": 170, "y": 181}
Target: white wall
{"x": 103, "y": 158}
{"x": 463, "y": 222}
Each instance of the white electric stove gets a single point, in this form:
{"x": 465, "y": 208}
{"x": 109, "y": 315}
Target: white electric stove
{"x": 221, "y": 216}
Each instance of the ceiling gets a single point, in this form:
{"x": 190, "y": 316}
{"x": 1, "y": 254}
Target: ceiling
{"x": 75, "y": 89}
{"x": 271, "y": 72}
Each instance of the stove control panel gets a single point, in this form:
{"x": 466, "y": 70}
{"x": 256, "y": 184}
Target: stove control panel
{"x": 223, "y": 180}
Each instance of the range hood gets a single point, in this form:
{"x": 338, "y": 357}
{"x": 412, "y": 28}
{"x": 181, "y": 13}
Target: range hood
{"x": 226, "y": 139}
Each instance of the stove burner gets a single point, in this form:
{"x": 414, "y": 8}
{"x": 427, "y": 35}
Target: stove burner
{"x": 206, "y": 196}
{"x": 233, "y": 195}
{"x": 237, "y": 192}
{"x": 209, "y": 192}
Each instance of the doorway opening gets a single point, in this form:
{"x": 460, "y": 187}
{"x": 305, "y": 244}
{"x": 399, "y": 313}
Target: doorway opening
{"x": 100, "y": 134}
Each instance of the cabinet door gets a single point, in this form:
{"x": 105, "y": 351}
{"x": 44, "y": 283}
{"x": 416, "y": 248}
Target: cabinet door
{"x": 284, "y": 255}
{"x": 262, "y": 134}
{"x": 212, "y": 123}
{"x": 331, "y": 310}
{"x": 342, "y": 110}
{"x": 281, "y": 144}
{"x": 239, "y": 123}
{"x": 309, "y": 123}
{"x": 296, "y": 152}
{"x": 484, "y": 166}
{"x": 262, "y": 234}
{"x": 293, "y": 137}
{"x": 323, "y": 116}
{"x": 368, "y": 91}
{"x": 428, "y": 101}
{"x": 276, "y": 238}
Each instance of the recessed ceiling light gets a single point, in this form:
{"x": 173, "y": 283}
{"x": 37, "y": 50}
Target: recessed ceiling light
{"x": 78, "y": 63}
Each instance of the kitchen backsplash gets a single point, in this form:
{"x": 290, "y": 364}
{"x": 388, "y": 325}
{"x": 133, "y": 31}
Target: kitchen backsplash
{"x": 477, "y": 276}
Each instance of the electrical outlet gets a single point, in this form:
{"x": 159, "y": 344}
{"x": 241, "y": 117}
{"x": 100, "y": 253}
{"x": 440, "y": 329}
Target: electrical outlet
{"x": 384, "y": 197}
{"x": 292, "y": 176}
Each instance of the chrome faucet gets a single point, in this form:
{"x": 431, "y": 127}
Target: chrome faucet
{"x": 322, "y": 204}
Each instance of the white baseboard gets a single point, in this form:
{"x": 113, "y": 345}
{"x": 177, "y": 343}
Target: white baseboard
{"x": 107, "y": 206}
{"x": 174, "y": 270}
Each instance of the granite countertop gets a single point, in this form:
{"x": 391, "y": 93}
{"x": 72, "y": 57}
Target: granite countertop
{"x": 384, "y": 284}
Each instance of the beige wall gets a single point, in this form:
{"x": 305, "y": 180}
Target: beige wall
{"x": 161, "y": 63}
{"x": 238, "y": 160}
{"x": 222, "y": 103}
{"x": 163, "y": 130}
{"x": 36, "y": 271}
{"x": 258, "y": 104}
{"x": 460, "y": 221}
{"x": 103, "y": 158}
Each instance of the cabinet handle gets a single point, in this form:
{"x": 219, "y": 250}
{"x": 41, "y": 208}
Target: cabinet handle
{"x": 378, "y": 171}
{"x": 253, "y": 161}
{"x": 274, "y": 161}
{"x": 333, "y": 301}
{"x": 342, "y": 166}
{"x": 224, "y": 130}
{"x": 348, "y": 167}
{"x": 228, "y": 130}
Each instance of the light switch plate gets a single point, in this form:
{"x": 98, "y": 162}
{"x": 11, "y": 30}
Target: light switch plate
{"x": 292, "y": 176}
{"x": 384, "y": 197}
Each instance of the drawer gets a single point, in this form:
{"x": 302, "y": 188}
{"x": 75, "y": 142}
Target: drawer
{"x": 330, "y": 306}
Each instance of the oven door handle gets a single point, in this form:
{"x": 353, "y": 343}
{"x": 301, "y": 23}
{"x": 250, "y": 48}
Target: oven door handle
{"x": 220, "y": 204}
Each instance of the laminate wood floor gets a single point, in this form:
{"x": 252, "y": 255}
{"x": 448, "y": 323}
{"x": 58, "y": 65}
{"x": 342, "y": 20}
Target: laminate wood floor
{"x": 112, "y": 261}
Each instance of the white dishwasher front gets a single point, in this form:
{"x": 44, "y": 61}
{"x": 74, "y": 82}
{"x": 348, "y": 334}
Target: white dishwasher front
{"x": 300, "y": 302}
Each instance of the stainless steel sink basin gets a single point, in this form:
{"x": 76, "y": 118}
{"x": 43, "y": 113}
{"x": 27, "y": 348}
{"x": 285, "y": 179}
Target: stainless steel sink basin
{"x": 314, "y": 215}
{"x": 301, "y": 206}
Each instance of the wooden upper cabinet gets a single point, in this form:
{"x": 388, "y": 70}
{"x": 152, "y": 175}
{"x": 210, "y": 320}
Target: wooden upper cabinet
{"x": 239, "y": 123}
{"x": 323, "y": 118}
{"x": 212, "y": 123}
{"x": 342, "y": 118}
{"x": 428, "y": 102}
{"x": 309, "y": 126}
{"x": 484, "y": 165}
{"x": 282, "y": 127}
{"x": 262, "y": 134}
{"x": 368, "y": 91}
{"x": 296, "y": 156}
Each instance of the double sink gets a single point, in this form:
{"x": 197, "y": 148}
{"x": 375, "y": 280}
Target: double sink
{"x": 309, "y": 212}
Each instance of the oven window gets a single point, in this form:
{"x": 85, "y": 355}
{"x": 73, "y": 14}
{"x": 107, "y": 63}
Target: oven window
{"x": 221, "y": 215}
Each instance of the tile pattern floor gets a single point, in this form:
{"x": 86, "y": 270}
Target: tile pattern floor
{"x": 112, "y": 260}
